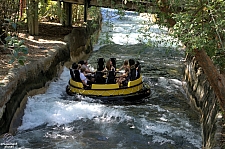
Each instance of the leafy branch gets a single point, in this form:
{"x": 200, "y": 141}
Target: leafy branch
{"x": 16, "y": 47}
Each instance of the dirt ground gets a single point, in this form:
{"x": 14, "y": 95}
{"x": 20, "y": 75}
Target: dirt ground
{"x": 50, "y": 36}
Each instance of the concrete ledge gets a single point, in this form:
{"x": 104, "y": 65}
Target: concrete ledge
{"x": 22, "y": 80}
{"x": 34, "y": 77}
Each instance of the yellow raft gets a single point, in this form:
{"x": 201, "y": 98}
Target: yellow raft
{"x": 135, "y": 89}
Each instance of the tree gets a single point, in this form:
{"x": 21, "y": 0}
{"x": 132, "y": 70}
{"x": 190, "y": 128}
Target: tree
{"x": 200, "y": 26}
{"x": 9, "y": 10}
{"x": 197, "y": 24}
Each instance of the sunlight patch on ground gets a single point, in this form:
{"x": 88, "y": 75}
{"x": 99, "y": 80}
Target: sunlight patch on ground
{"x": 59, "y": 24}
{"x": 39, "y": 40}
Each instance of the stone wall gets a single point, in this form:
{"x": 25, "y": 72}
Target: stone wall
{"x": 80, "y": 40}
{"x": 26, "y": 78}
{"x": 37, "y": 74}
{"x": 203, "y": 99}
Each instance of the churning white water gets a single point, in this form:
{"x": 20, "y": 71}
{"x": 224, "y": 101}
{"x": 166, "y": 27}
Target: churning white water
{"x": 164, "y": 120}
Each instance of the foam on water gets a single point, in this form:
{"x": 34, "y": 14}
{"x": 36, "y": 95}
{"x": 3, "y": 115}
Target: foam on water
{"x": 158, "y": 122}
{"x": 165, "y": 130}
{"x": 170, "y": 84}
{"x": 126, "y": 30}
{"x": 50, "y": 109}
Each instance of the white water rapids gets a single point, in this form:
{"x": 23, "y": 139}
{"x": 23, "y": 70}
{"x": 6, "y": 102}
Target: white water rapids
{"x": 164, "y": 120}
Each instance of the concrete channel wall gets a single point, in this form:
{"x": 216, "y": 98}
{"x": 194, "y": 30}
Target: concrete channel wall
{"x": 34, "y": 77}
{"x": 203, "y": 99}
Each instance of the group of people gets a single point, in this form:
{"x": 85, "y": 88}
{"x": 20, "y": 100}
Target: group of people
{"x": 81, "y": 73}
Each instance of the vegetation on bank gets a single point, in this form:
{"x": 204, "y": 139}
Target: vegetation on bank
{"x": 20, "y": 13}
{"x": 197, "y": 24}
{"x": 200, "y": 26}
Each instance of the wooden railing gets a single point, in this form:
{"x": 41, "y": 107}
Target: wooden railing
{"x": 132, "y": 5}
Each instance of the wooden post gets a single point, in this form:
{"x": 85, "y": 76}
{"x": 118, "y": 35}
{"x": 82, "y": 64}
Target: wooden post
{"x": 21, "y": 8}
{"x": 85, "y": 10}
{"x": 32, "y": 13}
{"x": 60, "y": 13}
{"x": 36, "y": 23}
{"x": 68, "y": 12}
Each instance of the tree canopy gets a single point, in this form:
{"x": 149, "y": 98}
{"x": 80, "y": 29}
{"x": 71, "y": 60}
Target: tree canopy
{"x": 198, "y": 24}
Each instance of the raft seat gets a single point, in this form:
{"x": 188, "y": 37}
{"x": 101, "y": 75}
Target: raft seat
{"x": 134, "y": 82}
{"x": 105, "y": 86}
{"x": 76, "y": 84}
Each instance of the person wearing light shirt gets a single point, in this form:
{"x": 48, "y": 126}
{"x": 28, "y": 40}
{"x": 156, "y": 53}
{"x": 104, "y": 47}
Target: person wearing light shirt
{"x": 83, "y": 78}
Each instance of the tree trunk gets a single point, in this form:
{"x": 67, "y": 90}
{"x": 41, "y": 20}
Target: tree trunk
{"x": 32, "y": 13}
{"x": 76, "y": 12}
{"x": 2, "y": 34}
{"x": 22, "y": 7}
{"x": 216, "y": 80}
{"x": 60, "y": 12}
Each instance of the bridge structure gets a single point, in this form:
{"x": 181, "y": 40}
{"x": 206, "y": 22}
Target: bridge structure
{"x": 131, "y": 5}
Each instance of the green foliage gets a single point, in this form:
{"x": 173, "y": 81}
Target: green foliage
{"x": 50, "y": 10}
{"x": 15, "y": 46}
{"x": 199, "y": 24}
{"x": 8, "y": 31}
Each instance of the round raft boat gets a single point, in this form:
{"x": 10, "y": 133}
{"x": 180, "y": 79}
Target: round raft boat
{"x": 136, "y": 89}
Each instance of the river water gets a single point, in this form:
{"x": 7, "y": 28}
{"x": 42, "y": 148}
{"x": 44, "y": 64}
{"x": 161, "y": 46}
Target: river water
{"x": 164, "y": 120}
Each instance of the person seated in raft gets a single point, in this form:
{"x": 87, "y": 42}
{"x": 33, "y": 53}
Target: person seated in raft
{"x": 72, "y": 68}
{"x": 132, "y": 73}
{"x": 87, "y": 67}
{"x": 138, "y": 69}
{"x": 76, "y": 72}
{"x": 109, "y": 66}
{"x": 124, "y": 78}
{"x": 88, "y": 72}
{"x": 79, "y": 67}
{"x": 125, "y": 65}
{"x": 81, "y": 62}
{"x": 86, "y": 82}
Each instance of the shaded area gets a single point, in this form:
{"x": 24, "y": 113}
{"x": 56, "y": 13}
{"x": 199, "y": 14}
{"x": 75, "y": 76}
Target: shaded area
{"x": 51, "y": 36}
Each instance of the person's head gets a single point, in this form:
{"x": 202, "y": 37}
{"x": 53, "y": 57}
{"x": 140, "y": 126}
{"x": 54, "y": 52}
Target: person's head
{"x": 131, "y": 62}
{"x": 113, "y": 60}
{"x": 85, "y": 62}
{"x": 75, "y": 66}
{"x": 109, "y": 64}
{"x": 79, "y": 66}
{"x": 125, "y": 62}
{"x": 137, "y": 64}
{"x": 82, "y": 69}
{"x": 81, "y": 62}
